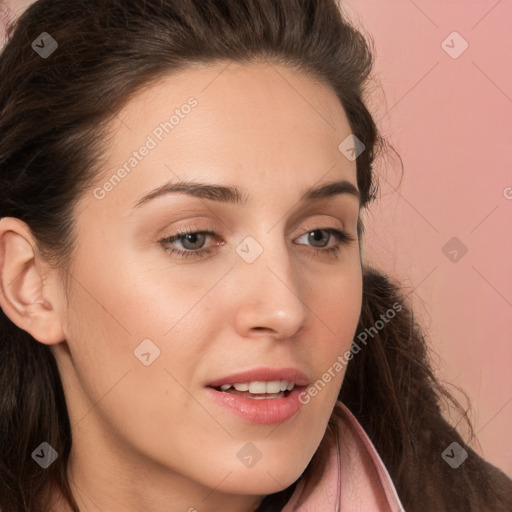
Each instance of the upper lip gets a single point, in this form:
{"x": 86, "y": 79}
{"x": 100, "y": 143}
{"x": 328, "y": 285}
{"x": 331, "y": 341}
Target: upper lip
{"x": 263, "y": 374}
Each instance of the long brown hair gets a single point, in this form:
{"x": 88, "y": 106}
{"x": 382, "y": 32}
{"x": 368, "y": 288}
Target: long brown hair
{"x": 54, "y": 111}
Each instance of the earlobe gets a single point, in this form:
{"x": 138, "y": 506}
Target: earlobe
{"x": 24, "y": 294}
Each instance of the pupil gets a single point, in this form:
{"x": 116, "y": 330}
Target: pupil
{"x": 317, "y": 231}
{"x": 192, "y": 235}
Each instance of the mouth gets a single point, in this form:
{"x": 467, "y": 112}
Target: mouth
{"x": 263, "y": 396}
{"x": 258, "y": 390}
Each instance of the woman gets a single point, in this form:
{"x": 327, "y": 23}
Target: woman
{"x": 175, "y": 334}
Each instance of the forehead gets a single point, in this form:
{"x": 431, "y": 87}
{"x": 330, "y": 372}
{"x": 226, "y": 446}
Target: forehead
{"x": 250, "y": 124}
{"x": 237, "y": 88}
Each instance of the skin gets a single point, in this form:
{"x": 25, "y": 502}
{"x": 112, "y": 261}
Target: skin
{"x": 149, "y": 437}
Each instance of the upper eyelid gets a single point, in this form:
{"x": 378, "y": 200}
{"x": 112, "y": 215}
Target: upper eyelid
{"x": 183, "y": 231}
{"x": 318, "y": 224}
{"x": 210, "y": 230}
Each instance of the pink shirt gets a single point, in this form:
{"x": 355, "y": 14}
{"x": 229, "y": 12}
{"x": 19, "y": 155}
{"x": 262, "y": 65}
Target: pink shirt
{"x": 347, "y": 475}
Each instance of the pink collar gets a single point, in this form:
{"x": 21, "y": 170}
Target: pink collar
{"x": 346, "y": 473}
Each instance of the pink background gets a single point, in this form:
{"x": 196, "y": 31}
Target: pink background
{"x": 450, "y": 119}
{"x": 451, "y": 122}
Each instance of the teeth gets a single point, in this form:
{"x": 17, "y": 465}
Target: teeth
{"x": 260, "y": 387}
{"x": 273, "y": 387}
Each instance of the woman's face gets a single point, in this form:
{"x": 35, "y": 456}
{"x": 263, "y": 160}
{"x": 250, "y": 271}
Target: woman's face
{"x": 273, "y": 295}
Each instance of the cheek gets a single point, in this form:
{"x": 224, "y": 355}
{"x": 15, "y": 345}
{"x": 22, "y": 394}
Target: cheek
{"x": 117, "y": 325}
{"x": 338, "y": 307}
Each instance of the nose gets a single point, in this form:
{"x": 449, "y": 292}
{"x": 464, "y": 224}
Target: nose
{"x": 270, "y": 295}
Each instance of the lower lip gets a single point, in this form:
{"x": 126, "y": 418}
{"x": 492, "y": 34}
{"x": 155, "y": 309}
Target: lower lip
{"x": 268, "y": 411}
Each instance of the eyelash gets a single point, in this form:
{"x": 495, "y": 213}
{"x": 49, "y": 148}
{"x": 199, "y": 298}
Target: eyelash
{"x": 343, "y": 237}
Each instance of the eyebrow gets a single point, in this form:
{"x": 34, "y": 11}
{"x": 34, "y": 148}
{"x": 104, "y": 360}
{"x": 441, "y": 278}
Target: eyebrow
{"x": 232, "y": 194}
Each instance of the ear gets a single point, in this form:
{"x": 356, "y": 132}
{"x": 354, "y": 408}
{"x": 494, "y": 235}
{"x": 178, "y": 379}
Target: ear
{"x": 25, "y": 297}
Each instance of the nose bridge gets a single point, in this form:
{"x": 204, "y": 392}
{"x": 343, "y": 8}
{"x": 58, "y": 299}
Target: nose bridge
{"x": 272, "y": 290}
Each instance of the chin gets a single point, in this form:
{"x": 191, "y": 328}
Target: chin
{"x": 275, "y": 474}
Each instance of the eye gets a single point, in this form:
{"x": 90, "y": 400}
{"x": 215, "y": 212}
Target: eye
{"x": 317, "y": 235}
{"x": 193, "y": 241}
{"x": 341, "y": 238}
